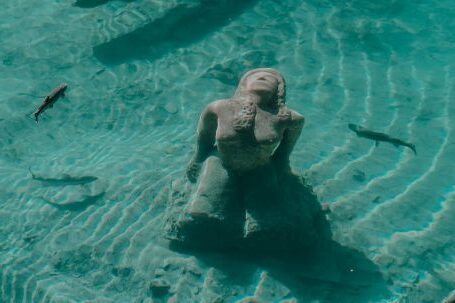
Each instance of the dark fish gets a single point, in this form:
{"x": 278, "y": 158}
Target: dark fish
{"x": 76, "y": 205}
{"x": 66, "y": 180}
{"x": 51, "y": 99}
{"x": 365, "y": 133}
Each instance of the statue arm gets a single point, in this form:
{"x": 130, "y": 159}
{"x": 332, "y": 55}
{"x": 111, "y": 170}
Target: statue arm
{"x": 290, "y": 136}
{"x": 205, "y": 141}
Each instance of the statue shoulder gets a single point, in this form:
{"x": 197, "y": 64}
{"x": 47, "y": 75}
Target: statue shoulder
{"x": 297, "y": 120}
{"x": 291, "y": 118}
{"x": 216, "y": 106}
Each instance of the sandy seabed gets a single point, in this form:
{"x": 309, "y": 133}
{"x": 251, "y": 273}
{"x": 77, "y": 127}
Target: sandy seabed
{"x": 139, "y": 73}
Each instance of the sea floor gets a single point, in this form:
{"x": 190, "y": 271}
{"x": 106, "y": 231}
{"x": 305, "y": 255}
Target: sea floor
{"x": 77, "y": 218}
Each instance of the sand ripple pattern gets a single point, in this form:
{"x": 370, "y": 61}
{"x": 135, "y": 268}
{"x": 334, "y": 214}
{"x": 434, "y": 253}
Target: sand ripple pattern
{"x": 86, "y": 226}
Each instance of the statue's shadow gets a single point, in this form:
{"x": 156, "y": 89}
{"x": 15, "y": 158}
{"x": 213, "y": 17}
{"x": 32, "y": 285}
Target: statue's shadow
{"x": 293, "y": 249}
{"x": 333, "y": 274}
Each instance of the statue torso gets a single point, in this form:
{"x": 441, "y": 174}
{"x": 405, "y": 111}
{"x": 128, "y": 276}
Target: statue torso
{"x": 246, "y": 150}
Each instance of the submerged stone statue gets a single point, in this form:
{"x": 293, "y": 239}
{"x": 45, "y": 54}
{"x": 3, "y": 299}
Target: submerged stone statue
{"x": 242, "y": 193}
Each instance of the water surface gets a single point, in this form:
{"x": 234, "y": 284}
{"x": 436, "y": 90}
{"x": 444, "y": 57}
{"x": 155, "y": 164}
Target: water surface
{"x": 139, "y": 73}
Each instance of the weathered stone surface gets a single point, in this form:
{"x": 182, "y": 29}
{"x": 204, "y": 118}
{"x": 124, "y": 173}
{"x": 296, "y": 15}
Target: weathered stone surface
{"x": 159, "y": 287}
{"x": 272, "y": 216}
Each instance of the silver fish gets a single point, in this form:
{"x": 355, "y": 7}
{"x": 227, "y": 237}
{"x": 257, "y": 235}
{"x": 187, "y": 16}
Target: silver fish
{"x": 50, "y": 100}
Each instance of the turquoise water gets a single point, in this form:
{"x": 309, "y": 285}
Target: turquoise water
{"x": 139, "y": 73}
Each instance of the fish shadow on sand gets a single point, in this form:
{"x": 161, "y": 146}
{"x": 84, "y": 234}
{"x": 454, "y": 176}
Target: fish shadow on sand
{"x": 93, "y": 3}
{"x": 75, "y": 206}
{"x": 65, "y": 179}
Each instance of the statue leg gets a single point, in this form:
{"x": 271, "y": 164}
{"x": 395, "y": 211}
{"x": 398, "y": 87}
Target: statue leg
{"x": 262, "y": 201}
{"x": 216, "y": 197}
{"x": 213, "y": 217}
{"x": 282, "y": 212}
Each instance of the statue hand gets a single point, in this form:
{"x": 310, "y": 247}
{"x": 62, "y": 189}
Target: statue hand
{"x": 192, "y": 171}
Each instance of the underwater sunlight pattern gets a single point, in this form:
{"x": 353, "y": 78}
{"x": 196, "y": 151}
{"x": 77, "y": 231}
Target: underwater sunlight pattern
{"x": 79, "y": 190}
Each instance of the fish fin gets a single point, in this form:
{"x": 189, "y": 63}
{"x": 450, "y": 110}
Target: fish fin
{"x": 30, "y": 170}
{"x": 63, "y": 95}
{"x": 51, "y": 106}
{"x": 31, "y": 95}
{"x": 377, "y": 143}
{"x": 396, "y": 145}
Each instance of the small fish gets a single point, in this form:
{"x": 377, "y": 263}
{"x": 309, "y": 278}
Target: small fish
{"x": 66, "y": 180}
{"x": 50, "y": 100}
{"x": 365, "y": 133}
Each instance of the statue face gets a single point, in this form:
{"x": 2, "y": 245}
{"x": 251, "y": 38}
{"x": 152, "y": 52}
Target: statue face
{"x": 263, "y": 83}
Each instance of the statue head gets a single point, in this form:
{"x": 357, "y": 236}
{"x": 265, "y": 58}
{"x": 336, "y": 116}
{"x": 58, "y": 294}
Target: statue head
{"x": 265, "y": 81}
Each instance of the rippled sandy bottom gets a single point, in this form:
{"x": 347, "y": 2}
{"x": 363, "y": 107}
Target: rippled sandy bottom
{"x": 129, "y": 121}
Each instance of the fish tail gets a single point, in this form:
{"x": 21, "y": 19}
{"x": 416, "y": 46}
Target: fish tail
{"x": 50, "y": 203}
{"x": 29, "y": 115}
{"x": 413, "y": 147}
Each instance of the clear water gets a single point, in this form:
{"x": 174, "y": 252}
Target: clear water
{"x": 139, "y": 73}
